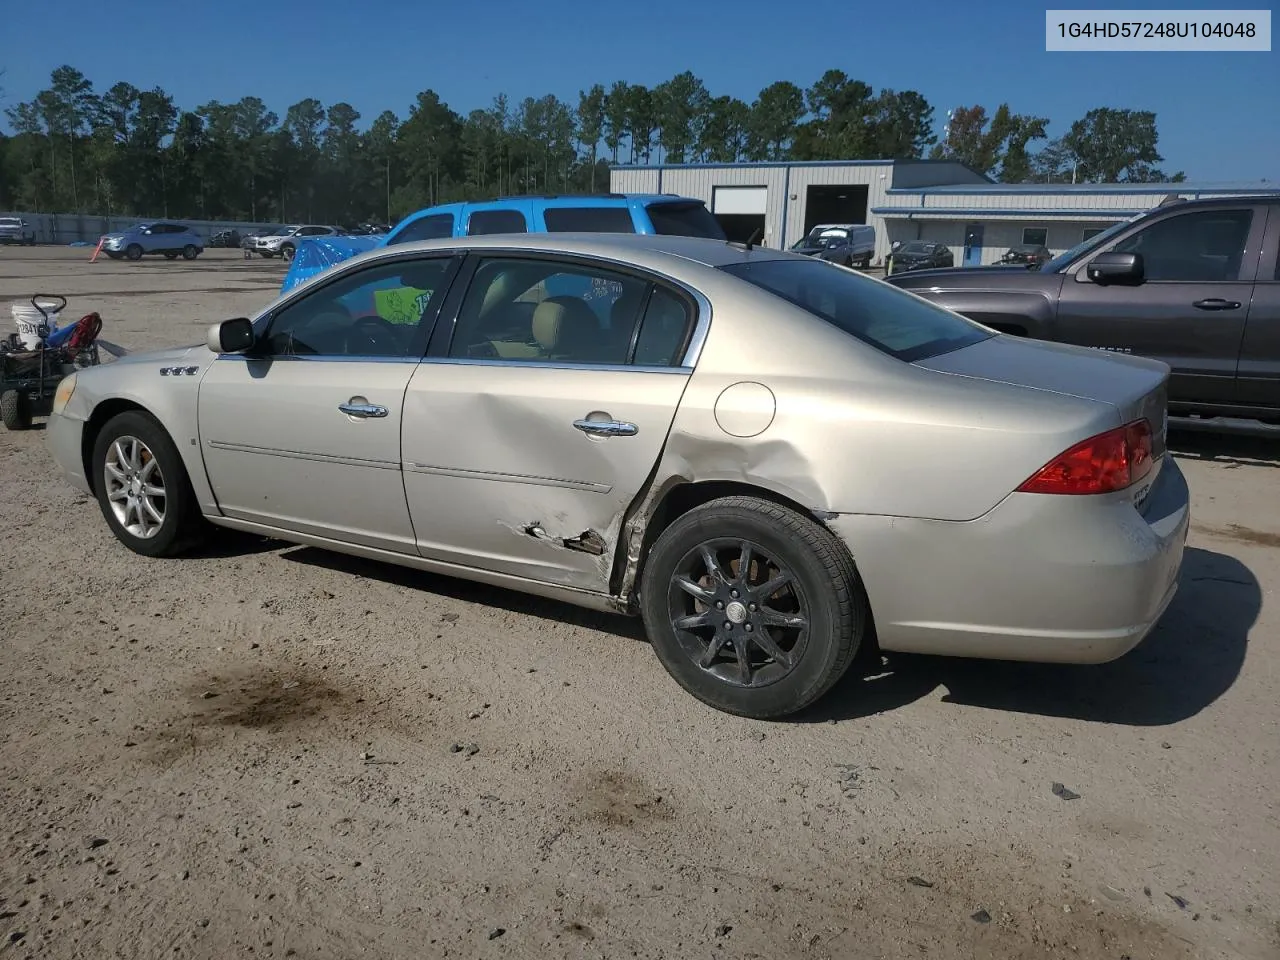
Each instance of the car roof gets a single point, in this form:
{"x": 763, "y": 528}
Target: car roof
{"x": 621, "y": 246}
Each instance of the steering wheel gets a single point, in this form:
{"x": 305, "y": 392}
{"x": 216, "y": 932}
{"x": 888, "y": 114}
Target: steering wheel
{"x": 379, "y": 332}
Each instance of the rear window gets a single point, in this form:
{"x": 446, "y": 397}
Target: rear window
{"x": 684, "y": 220}
{"x": 891, "y": 320}
{"x": 434, "y": 227}
{"x": 588, "y": 220}
{"x": 496, "y": 221}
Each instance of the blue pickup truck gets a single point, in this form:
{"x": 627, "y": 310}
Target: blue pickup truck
{"x": 653, "y": 213}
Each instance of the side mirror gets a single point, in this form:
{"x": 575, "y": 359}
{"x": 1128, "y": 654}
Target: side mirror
{"x": 231, "y": 336}
{"x": 1116, "y": 268}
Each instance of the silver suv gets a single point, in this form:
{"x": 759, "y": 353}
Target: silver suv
{"x": 172, "y": 239}
{"x": 284, "y": 241}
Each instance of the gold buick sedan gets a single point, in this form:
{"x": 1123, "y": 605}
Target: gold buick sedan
{"x": 770, "y": 458}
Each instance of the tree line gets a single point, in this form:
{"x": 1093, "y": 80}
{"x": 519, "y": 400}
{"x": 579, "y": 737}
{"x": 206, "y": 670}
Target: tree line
{"x": 132, "y": 152}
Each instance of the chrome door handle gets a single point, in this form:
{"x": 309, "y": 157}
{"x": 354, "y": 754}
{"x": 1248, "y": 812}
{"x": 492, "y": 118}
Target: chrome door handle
{"x": 363, "y": 410}
{"x": 607, "y": 428}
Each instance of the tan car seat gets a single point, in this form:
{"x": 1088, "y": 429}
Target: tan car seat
{"x": 567, "y": 329}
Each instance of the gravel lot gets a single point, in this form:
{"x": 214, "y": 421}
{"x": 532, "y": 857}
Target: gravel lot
{"x": 275, "y": 751}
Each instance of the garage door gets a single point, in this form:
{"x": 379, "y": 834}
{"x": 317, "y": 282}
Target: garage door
{"x": 740, "y": 200}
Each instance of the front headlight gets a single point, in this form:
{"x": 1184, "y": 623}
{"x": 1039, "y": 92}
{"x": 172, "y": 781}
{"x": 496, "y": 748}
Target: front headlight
{"x": 62, "y": 396}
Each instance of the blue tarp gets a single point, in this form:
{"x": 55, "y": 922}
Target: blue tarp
{"x": 320, "y": 253}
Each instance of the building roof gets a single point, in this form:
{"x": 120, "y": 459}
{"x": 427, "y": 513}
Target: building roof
{"x": 1004, "y": 213}
{"x": 1078, "y": 189}
{"x": 757, "y": 164}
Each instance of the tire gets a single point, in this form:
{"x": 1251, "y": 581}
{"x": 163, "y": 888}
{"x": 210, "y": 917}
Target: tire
{"x": 133, "y": 252}
{"x": 15, "y": 410}
{"x": 824, "y": 590}
{"x": 189, "y": 252}
{"x": 287, "y": 251}
{"x": 181, "y": 525}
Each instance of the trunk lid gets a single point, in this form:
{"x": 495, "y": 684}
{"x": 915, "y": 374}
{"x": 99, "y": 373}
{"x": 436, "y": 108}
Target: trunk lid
{"x": 1136, "y": 386}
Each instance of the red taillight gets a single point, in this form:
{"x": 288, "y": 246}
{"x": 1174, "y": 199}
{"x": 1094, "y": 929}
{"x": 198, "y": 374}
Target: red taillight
{"x": 1103, "y": 464}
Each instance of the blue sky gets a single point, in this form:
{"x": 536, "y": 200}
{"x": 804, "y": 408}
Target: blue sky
{"x": 1217, "y": 113}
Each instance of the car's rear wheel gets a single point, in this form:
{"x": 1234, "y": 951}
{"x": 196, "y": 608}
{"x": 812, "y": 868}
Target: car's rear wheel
{"x": 189, "y": 252}
{"x": 752, "y": 607}
{"x": 133, "y": 252}
{"x": 15, "y": 410}
{"x": 143, "y": 488}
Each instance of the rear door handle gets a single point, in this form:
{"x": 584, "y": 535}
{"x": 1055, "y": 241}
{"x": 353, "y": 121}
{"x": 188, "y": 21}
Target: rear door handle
{"x": 607, "y": 428}
{"x": 362, "y": 410}
{"x": 1217, "y": 303}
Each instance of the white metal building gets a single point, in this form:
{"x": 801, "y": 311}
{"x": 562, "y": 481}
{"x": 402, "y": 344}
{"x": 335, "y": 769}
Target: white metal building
{"x": 940, "y": 200}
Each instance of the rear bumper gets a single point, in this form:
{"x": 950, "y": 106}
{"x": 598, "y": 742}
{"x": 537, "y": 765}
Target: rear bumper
{"x": 1039, "y": 578}
{"x": 64, "y": 435}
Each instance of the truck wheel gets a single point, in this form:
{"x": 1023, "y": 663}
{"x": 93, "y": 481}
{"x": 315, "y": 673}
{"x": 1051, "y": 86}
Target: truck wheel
{"x": 189, "y": 252}
{"x": 143, "y": 488}
{"x": 133, "y": 252}
{"x": 15, "y": 410}
{"x": 752, "y": 607}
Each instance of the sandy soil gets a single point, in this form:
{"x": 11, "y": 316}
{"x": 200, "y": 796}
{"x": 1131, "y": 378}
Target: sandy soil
{"x": 268, "y": 750}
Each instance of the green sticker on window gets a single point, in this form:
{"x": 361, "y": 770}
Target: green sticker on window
{"x": 401, "y": 305}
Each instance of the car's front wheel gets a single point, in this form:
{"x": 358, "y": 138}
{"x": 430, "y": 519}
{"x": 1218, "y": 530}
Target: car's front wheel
{"x": 143, "y": 488}
{"x": 752, "y": 607}
{"x": 133, "y": 252}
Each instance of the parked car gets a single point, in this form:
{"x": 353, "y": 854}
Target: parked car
{"x": 248, "y": 242}
{"x": 226, "y": 238}
{"x": 1191, "y": 283}
{"x": 173, "y": 240}
{"x": 739, "y": 445}
{"x": 283, "y": 241}
{"x": 1029, "y": 255}
{"x": 920, "y": 255}
{"x": 610, "y": 213}
{"x": 851, "y": 244}
{"x": 17, "y": 230}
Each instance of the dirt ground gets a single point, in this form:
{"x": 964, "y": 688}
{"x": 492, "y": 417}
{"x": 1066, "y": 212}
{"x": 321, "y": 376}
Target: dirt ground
{"x": 272, "y": 751}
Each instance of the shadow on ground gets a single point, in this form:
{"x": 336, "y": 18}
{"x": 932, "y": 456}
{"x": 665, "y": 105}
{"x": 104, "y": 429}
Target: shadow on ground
{"x": 1190, "y": 660}
{"x": 1192, "y": 657}
{"x": 1230, "y": 442}
{"x": 468, "y": 592}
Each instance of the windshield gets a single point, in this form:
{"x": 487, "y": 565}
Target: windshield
{"x": 1062, "y": 259}
{"x": 883, "y": 316}
{"x": 916, "y": 246}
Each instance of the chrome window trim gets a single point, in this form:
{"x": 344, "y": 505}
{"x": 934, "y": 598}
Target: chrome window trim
{"x": 461, "y": 362}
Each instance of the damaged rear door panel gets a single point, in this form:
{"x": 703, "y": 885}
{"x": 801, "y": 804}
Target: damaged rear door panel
{"x": 528, "y": 469}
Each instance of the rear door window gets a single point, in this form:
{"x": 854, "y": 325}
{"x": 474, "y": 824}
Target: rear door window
{"x": 496, "y": 221}
{"x": 684, "y": 219}
{"x": 891, "y": 320}
{"x": 588, "y": 220}
{"x": 434, "y": 227}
